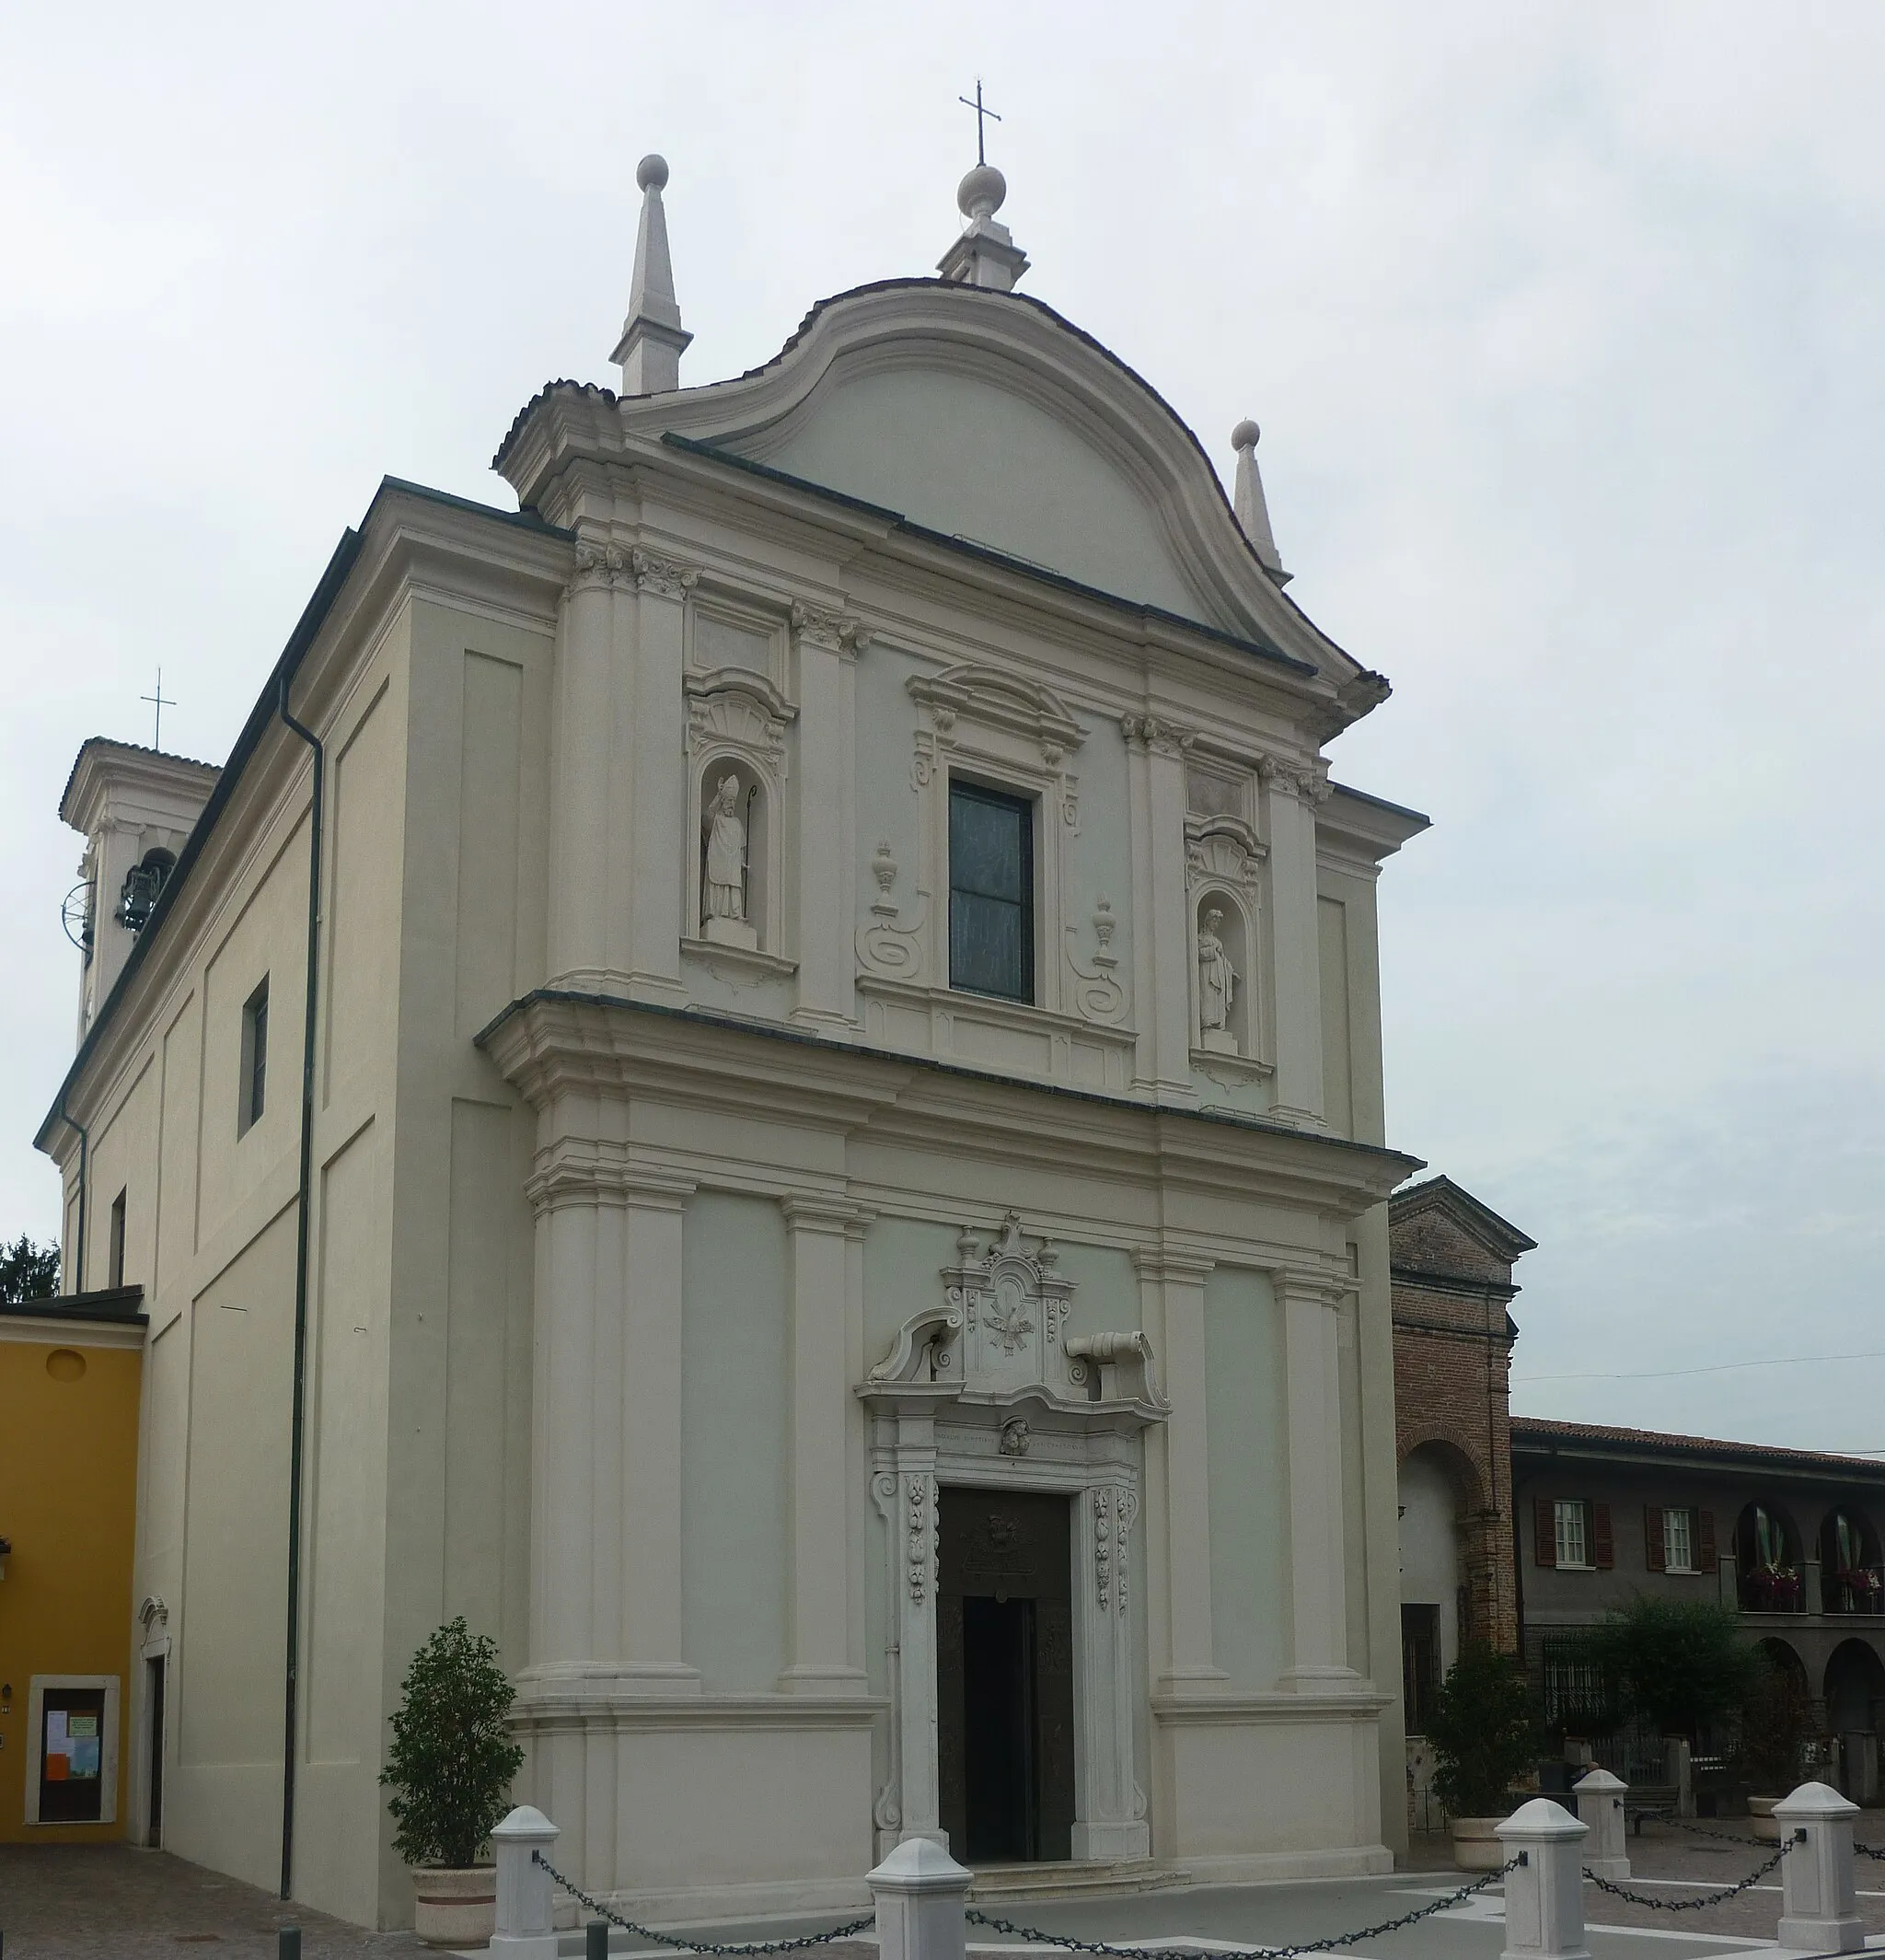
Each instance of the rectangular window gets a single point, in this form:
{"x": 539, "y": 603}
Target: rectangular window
{"x": 991, "y": 892}
{"x": 255, "y": 1057}
{"x": 1679, "y": 1542}
{"x": 1571, "y": 1517}
{"x": 115, "y": 1261}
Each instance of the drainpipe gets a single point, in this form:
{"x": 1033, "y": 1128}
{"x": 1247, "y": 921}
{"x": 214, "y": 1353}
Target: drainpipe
{"x": 292, "y": 1664}
{"x": 84, "y": 1155}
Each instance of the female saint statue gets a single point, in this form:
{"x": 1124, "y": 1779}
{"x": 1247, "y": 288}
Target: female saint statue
{"x": 726, "y": 854}
{"x": 1217, "y": 984}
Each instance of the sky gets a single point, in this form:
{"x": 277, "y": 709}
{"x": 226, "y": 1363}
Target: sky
{"x": 1562, "y": 323}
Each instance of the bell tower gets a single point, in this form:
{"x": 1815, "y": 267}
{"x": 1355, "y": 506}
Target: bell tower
{"x": 135, "y": 808}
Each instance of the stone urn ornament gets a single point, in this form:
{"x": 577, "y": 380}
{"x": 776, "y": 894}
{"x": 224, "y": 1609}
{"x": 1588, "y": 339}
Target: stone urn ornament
{"x": 449, "y": 1768}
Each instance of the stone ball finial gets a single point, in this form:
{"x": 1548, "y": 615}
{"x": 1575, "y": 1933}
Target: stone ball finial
{"x": 1244, "y": 436}
{"x": 980, "y": 195}
{"x": 651, "y": 173}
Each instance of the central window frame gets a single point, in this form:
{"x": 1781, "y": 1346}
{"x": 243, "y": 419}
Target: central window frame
{"x": 1025, "y": 808}
{"x": 1571, "y": 1526}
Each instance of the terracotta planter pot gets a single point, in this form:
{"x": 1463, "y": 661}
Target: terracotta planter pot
{"x": 1767, "y": 1825}
{"x": 1475, "y": 1844}
{"x": 454, "y": 1909}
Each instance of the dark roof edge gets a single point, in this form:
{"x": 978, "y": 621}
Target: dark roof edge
{"x": 988, "y": 554}
{"x": 803, "y": 1037}
{"x": 1540, "y": 1430}
{"x": 313, "y": 616}
{"x": 118, "y": 1305}
{"x": 1477, "y": 1209}
{"x": 1381, "y": 802}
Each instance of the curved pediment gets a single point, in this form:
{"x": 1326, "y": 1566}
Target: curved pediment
{"x": 985, "y": 416}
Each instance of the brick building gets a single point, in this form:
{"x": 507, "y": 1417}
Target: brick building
{"x": 1450, "y": 1263}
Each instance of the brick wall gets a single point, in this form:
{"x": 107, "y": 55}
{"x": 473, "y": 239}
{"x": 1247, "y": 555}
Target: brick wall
{"x": 1452, "y": 1264}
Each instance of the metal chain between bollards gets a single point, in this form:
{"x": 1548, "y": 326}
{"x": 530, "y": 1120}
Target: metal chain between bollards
{"x": 1329, "y": 1946}
{"x": 1869, "y": 1850}
{"x": 850, "y": 1930}
{"x": 1693, "y": 1904}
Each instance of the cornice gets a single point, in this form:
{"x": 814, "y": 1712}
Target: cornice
{"x": 551, "y": 1043}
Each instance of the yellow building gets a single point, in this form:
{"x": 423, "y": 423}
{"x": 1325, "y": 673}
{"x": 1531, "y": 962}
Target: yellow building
{"x": 70, "y": 1374}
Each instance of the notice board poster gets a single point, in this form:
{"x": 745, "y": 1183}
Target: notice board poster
{"x": 72, "y": 1786}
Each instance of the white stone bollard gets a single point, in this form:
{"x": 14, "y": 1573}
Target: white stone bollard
{"x": 1601, "y": 1805}
{"x": 1544, "y": 1897}
{"x": 921, "y": 1893}
{"x": 526, "y": 1895}
{"x": 1819, "y": 1905}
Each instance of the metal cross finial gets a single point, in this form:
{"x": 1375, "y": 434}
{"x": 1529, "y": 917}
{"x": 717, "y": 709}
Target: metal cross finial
{"x": 159, "y": 702}
{"x": 983, "y": 117}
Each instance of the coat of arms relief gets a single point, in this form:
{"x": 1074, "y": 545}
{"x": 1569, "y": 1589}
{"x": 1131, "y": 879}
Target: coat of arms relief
{"x": 1000, "y": 1335}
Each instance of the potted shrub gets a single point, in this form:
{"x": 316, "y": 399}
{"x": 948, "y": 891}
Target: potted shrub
{"x": 449, "y": 1769}
{"x": 1486, "y": 1733}
{"x": 1775, "y": 1728}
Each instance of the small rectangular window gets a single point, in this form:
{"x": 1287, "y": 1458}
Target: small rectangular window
{"x": 255, "y": 1057}
{"x": 115, "y": 1263}
{"x": 991, "y": 894}
{"x": 1679, "y": 1542}
{"x": 1571, "y": 1516}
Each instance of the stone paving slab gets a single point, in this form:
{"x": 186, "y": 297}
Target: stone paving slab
{"x": 110, "y": 1902}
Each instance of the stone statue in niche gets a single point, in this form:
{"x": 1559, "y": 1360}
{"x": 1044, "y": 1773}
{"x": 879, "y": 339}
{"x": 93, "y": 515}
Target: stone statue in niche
{"x": 1217, "y": 986}
{"x": 723, "y": 894}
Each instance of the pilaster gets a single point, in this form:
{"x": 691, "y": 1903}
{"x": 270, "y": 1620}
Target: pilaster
{"x": 1178, "y": 1474}
{"x": 906, "y": 1494}
{"x": 1318, "y": 1596}
{"x": 825, "y": 1430}
{"x": 1106, "y": 1827}
{"x": 1161, "y": 937}
{"x": 827, "y": 645}
{"x": 606, "y": 1443}
{"x": 619, "y": 804}
{"x": 1292, "y": 793}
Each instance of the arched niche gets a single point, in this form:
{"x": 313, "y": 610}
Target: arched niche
{"x": 733, "y": 896}
{"x": 1223, "y": 966}
{"x": 736, "y": 735}
{"x": 1854, "y": 1689}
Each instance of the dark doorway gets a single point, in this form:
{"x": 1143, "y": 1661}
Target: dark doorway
{"x": 153, "y": 1708}
{"x": 1004, "y": 1666}
{"x": 1419, "y": 1665}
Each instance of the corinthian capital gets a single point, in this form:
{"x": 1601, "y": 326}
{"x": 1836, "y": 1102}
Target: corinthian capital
{"x": 1151, "y": 731}
{"x": 838, "y": 631}
{"x": 666, "y": 577}
{"x": 1290, "y": 776}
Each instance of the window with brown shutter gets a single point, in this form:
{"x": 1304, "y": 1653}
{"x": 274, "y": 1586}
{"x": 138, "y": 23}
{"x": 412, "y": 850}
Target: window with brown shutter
{"x": 1602, "y": 1551}
{"x": 1706, "y": 1559}
{"x": 1544, "y": 1530}
{"x": 1655, "y": 1556}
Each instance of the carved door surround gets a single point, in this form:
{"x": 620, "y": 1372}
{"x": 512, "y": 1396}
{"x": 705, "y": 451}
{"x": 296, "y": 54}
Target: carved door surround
{"x": 988, "y": 1390}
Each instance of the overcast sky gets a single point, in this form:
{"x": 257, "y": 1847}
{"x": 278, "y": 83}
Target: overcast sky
{"x": 1564, "y": 324}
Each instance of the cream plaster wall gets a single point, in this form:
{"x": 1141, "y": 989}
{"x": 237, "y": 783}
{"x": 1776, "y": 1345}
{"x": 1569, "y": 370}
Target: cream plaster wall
{"x": 962, "y": 455}
{"x": 735, "y": 1383}
{"x": 1247, "y": 1415}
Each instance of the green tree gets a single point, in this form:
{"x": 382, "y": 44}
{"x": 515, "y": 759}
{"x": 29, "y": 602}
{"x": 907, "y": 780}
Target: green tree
{"x": 28, "y": 1271}
{"x": 1486, "y": 1731}
{"x": 1682, "y": 1664}
{"x": 452, "y": 1760}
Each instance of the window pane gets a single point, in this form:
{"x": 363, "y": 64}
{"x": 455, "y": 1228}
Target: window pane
{"x": 1678, "y": 1551}
{"x": 1572, "y": 1539}
{"x": 257, "y": 1085}
{"x": 984, "y": 844}
{"x": 990, "y": 893}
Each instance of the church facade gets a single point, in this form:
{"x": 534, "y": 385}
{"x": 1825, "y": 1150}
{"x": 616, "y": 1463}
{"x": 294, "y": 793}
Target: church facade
{"x": 765, "y": 1075}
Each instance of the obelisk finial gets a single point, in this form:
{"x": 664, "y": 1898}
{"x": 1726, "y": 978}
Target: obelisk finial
{"x": 653, "y": 338}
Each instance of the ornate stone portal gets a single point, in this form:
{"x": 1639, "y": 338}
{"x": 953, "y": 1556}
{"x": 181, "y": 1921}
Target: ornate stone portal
{"x": 988, "y": 1389}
